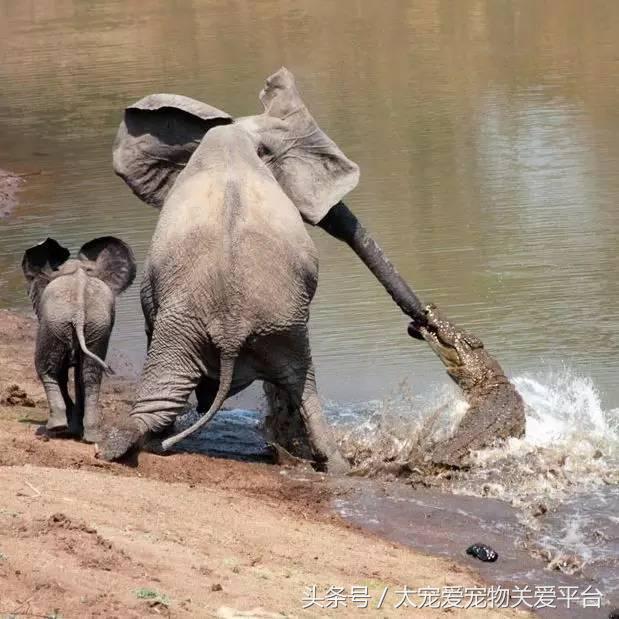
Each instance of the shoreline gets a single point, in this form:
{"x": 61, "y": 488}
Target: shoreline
{"x": 182, "y": 535}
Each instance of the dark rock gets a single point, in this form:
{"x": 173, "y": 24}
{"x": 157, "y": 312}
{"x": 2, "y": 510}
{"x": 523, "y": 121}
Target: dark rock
{"x": 614, "y": 614}
{"x": 482, "y": 552}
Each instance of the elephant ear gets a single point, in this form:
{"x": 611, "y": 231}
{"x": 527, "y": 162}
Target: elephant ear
{"x": 309, "y": 166}
{"x": 155, "y": 140}
{"x": 113, "y": 259}
{"x": 40, "y": 261}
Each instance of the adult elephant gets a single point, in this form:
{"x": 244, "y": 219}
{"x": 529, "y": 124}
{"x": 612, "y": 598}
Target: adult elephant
{"x": 231, "y": 270}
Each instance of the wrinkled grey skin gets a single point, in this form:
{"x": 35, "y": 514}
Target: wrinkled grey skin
{"x": 74, "y": 302}
{"x": 231, "y": 270}
{"x": 230, "y": 277}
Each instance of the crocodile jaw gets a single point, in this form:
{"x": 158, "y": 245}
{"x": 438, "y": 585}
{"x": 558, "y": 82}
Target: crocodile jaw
{"x": 447, "y": 354}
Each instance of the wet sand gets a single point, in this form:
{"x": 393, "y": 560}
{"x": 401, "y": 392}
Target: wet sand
{"x": 446, "y": 524}
{"x": 184, "y": 535}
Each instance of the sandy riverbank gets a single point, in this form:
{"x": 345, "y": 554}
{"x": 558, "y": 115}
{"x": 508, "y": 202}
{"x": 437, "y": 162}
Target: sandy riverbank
{"x": 196, "y": 534}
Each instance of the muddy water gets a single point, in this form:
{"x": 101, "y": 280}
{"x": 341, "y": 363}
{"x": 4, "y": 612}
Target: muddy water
{"x": 488, "y": 139}
{"x": 487, "y": 136}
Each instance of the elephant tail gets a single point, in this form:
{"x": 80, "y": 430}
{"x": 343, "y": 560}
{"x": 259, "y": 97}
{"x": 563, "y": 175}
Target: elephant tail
{"x": 80, "y": 318}
{"x": 225, "y": 381}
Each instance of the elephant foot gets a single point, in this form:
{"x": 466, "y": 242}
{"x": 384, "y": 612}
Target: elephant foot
{"x": 115, "y": 442}
{"x": 57, "y": 425}
{"x": 91, "y": 434}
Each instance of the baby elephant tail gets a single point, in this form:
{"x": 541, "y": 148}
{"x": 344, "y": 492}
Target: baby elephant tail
{"x": 79, "y": 319}
{"x": 225, "y": 381}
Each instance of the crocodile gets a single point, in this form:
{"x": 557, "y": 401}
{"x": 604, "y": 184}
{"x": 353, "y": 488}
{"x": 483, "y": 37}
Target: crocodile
{"x": 496, "y": 409}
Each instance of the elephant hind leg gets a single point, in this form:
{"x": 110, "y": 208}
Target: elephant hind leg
{"x": 88, "y": 375}
{"x": 60, "y": 404}
{"x": 284, "y": 425}
{"x": 296, "y": 416}
{"x": 321, "y": 438}
{"x": 171, "y": 373}
{"x": 52, "y": 356}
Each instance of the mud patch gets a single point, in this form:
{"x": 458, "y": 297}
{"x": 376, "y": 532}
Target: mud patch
{"x": 78, "y": 539}
{"x": 14, "y": 395}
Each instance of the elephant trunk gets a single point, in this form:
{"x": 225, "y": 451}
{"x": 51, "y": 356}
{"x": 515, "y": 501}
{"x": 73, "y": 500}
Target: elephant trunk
{"x": 342, "y": 224}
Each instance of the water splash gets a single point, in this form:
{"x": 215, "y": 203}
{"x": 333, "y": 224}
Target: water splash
{"x": 568, "y": 436}
{"x": 571, "y": 443}
{"x": 562, "y": 407}
{"x": 562, "y": 476}
{"x": 395, "y": 435}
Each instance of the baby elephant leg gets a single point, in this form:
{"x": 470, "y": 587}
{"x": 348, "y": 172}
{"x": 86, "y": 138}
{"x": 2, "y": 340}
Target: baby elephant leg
{"x": 88, "y": 377}
{"x": 52, "y": 357}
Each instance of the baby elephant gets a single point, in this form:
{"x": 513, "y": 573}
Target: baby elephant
{"x": 74, "y": 301}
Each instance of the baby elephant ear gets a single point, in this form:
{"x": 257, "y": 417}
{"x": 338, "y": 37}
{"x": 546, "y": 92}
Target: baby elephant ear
{"x": 155, "y": 140}
{"x": 308, "y": 165}
{"x": 43, "y": 259}
{"x": 114, "y": 261}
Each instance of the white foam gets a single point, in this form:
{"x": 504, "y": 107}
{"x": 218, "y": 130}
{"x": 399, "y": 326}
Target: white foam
{"x": 571, "y": 443}
{"x": 564, "y": 407}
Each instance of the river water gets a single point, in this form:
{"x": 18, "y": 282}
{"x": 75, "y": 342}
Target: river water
{"x": 488, "y": 139}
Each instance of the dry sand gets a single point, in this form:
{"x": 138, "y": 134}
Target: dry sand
{"x": 199, "y": 536}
